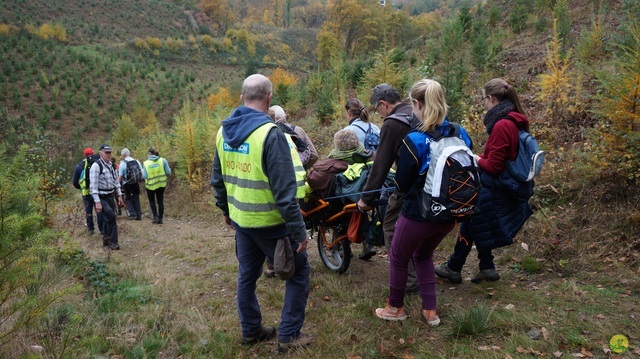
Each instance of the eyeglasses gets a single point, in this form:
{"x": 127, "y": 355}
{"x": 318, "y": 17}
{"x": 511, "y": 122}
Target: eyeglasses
{"x": 107, "y": 153}
{"x": 486, "y": 97}
{"x": 378, "y": 105}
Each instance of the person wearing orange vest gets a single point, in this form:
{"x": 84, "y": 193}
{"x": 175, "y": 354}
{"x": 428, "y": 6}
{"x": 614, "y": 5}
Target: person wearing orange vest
{"x": 155, "y": 171}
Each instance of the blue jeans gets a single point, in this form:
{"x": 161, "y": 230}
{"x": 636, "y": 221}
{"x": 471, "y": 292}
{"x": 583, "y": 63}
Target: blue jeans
{"x": 462, "y": 249}
{"x": 89, "y": 204}
{"x": 251, "y": 251}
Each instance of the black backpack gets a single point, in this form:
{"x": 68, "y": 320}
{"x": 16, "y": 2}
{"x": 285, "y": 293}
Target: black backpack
{"x": 88, "y": 162}
{"x": 133, "y": 173}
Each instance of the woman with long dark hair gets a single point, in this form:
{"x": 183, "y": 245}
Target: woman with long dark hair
{"x": 500, "y": 213}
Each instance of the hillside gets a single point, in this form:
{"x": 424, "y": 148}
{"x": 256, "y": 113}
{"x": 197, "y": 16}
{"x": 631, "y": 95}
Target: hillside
{"x": 105, "y": 68}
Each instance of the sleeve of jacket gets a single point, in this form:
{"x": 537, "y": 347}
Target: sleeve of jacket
{"x": 314, "y": 153}
{"x": 220, "y": 191}
{"x": 76, "y": 175}
{"x": 167, "y": 169}
{"x": 497, "y": 147}
{"x": 390, "y": 140}
{"x": 408, "y": 167}
{"x": 94, "y": 179}
{"x": 278, "y": 167}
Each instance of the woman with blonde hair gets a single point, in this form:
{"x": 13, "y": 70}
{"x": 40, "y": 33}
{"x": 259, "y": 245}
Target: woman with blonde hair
{"x": 415, "y": 236}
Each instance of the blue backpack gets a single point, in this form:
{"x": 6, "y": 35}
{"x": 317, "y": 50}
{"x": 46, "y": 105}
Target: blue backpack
{"x": 528, "y": 162}
{"x": 371, "y": 139}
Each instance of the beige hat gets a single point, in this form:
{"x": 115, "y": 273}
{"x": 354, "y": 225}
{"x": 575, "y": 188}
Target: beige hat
{"x": 345, "y": 140}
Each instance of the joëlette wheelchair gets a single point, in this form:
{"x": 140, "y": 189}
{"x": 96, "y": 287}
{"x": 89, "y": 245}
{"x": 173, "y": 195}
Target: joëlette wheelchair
{"x": 328, "y": 218}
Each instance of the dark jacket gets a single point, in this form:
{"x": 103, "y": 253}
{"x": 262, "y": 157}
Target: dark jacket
{"x": 320, "y": 175}
{"x": 392, "y": 133}
{"x": 500, "y": 213}
{"x": 77, "y": 172}
{"x": 498, "y": 217}
{"x": 277, "y": 165}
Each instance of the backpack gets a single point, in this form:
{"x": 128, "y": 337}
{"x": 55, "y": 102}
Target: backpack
{"x": 88, "y": 162}
{"x": 371, "y": 139}
{"x": 133, "y": 173}
{"x": 528, "y": 162}
{"x": 452, "y": 183}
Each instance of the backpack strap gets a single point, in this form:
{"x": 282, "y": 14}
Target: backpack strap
{"x": 451, "y": 130}
{"x": 361, "y": 129}
{"x": 404, "y": 118}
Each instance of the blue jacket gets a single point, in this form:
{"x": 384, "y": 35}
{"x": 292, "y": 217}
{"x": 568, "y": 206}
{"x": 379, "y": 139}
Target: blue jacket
{"x": 414, "y": 157}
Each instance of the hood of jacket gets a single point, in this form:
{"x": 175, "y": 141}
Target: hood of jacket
{"x": 519, "y": 119}
{"x": 241, "y": 123}
{"x": 153, "y": 157}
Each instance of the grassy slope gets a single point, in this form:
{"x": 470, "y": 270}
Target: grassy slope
{"x": 78, "y": 88}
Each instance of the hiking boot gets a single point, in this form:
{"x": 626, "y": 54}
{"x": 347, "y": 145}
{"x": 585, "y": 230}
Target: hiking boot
{"x": 391, "y": 313}
{"x": 265, "y": 333}
{"x": 367, "y": 252}
{"x": 443, "y": 271}
{"x": 414, "y": 290}
{"x": 431, "y": 317}
{"x": 489, "y": 275}
{"x": 303, "y": 341}
{"x": 114, "y": 247}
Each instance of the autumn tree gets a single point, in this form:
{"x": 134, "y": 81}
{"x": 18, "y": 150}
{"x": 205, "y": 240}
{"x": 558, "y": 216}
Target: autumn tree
{"x": 353, "y": 23}
{"x": 555, "y": 84}
{"x": 195, "y": 132}
{"x": 283, "y": 82}
{"x": 223, "y": 99}
{"x": 619, "y": 134}
{"x": 219, "y": 13}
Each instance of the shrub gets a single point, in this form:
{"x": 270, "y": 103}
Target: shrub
{"x": 154, "y": 43}
{"x": 206, "y": 40}
{"x": 473, "y": 322}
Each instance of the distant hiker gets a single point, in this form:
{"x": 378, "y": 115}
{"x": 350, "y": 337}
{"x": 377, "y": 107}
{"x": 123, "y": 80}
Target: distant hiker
{"x": 281, "y": 118}
{"x": 398, "y": 121}
{"x": 261, "y": 206}
{"x": 360, "y": 123}
{"x": 130, "y": 173}
{"x": 79, "y": 173}
{"x": 155, "y": 171}
{"x": 416, "y": 234}
{"x": 104, "y": 184}
{"x": 500, "y": 214}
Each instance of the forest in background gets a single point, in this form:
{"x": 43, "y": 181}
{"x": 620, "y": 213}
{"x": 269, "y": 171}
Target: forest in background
{"x": 165, "y": 73}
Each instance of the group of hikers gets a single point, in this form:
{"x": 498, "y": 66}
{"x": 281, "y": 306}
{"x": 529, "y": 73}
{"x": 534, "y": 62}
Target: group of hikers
{"x": 108, "y": 186}
{"x": 259, "y": 170}
{"x": 263, "y": 166}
